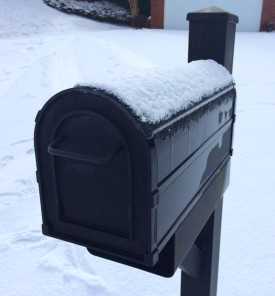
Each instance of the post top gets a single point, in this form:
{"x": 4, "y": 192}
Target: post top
{"x": 212, "y": 13}
{"x": 211, "y": 9}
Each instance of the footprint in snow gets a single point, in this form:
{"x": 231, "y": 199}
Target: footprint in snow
{"x": 6, "y": 199}
{"x": 36, "y": 242}
{"x": 30, "y": 151}
{"x": 16, "y": 194}
{"x": 3, "y": 247}
{"x": 25, "y": 182}
{"x": 6, "y": 72}
{"x": 29, "y": 239}
{"x": 21, "y": 240}
{"x": 27, "y": 186}
{"x": 23, "y": 141}
{"x": 4, "y": 161}
{"x": 70, "y": 262}
{"x": 59, "y": 258}
{"x": 65, "y": 257}
{"x": 56, "y": 262}
{"x": 91, "y": 283}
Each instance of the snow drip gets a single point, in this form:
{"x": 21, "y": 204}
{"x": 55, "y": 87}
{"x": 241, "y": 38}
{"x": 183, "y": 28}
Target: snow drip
{"x": 155, "y": 94}
{"x": 103, "y": 10}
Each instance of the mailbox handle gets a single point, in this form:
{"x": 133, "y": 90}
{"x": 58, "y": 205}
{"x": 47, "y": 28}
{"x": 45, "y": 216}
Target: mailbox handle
{"x": 95, "y": 160}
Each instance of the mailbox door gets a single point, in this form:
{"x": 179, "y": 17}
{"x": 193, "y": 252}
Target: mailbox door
{"x": 94, "y": 174}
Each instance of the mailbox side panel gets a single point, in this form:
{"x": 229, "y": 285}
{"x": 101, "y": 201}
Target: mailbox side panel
{"x": 188, "y": 154}
{"x": 178, "y": 191}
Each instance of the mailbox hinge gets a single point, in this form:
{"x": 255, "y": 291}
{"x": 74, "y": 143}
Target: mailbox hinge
{"x": 154, "y": 216}
{"x": 155, "y": 199}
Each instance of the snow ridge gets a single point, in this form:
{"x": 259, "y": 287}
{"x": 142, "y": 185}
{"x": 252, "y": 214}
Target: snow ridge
{"x": 155, "y": 94}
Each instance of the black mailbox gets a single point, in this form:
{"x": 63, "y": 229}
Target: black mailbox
{"x": 142, "y": 194}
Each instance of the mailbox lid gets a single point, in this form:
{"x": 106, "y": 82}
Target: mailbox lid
{"x": 94, "y": 174}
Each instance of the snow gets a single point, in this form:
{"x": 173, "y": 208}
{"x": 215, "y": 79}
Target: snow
{"x": 25, "y": 18}
{"x": 157, "y": 93}
{"x": 37, "y": 58}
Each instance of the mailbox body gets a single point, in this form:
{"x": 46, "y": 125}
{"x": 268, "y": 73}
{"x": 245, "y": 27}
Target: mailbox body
{"x": 126, "y": 189}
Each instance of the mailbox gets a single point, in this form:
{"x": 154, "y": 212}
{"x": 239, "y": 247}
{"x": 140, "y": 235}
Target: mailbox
{"x": 136, "y": 192}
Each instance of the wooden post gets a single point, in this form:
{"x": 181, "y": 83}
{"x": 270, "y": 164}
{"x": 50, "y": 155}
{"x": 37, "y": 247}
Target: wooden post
{"x": 139, "y": 20}
{"x": 157, "y": 14}
{"x": 268, "y": 15}
{"x": 134, "y": 7}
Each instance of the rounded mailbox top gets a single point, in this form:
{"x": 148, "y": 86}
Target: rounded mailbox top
{"x": 155, "y": 95}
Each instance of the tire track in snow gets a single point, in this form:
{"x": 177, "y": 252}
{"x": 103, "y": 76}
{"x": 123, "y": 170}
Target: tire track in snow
{"x": 57, "y": 260}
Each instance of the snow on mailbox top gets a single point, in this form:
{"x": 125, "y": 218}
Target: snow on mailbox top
{"x": 155, "y": 94}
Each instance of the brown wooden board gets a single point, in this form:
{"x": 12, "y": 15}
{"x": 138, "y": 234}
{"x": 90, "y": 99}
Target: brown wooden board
{"x": 268, "y": 15}
{"x": 157, "y": 13}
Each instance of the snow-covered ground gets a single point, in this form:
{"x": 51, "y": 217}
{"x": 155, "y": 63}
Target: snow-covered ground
{"x": 37, "y": 59}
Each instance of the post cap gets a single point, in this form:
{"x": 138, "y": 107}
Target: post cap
{"x": 212, "y": 14}
{"x": 211, "y": 9}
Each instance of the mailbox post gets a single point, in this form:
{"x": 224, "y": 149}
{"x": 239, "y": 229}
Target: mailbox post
{"x": 211, "y": 36}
